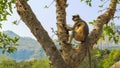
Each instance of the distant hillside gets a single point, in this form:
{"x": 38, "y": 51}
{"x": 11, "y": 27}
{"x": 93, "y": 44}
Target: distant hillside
{"x": 25, "y": 43}
{"x": 11, "y": 34}
{"x": 28, "y": 48}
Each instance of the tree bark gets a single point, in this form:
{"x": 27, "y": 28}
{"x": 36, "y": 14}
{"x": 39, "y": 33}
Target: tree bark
{"x": 63, "y": 34}
{"x": 39, "y": 32}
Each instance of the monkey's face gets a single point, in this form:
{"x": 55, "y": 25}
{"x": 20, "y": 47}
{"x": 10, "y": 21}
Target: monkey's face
{"x": 75, "y": 17}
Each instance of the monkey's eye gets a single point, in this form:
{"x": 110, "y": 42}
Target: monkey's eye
{"x": 76, "y": 19}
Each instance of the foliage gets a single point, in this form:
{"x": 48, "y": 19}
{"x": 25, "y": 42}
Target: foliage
{"x": 4, "y": 58}
{"x": 88, "y": 2}
{"x": 9, "y": 63}
{"x": 8, "y": 44}
{"x": 5, "y": 9}
{"x": 102, "y": 58}
{"x": 24, "y": 64}
{"x": 110, "y": 31}
{"x": 111, "y": 59}
{"x": 119, "y": 1}
{"x": 43, "y": 63}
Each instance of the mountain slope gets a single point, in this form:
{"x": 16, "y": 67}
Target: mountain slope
{"x": 28, "y": 48}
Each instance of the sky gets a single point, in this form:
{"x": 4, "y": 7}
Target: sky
{"x": 47, "y": 16}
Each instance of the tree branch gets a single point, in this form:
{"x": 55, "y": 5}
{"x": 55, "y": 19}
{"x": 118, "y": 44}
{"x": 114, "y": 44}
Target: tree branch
{"x": 63, "y": 33}
{"x": 100, "y": 21}
{"x": 94, "y": 36}
{"x": 39, "y": 32}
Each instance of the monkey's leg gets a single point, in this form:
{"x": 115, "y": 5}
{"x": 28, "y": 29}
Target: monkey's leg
{"x": 71, "y": 37}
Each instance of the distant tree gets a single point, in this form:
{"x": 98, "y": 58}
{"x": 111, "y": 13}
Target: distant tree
{"x": 7, "y": 62}
{"x": 69, "y": 57}
{"x": 42, "y": 63}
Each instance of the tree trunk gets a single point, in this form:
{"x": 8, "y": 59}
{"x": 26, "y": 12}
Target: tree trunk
{"x": 63, "y": 34}
{"x": 41, "y": 35}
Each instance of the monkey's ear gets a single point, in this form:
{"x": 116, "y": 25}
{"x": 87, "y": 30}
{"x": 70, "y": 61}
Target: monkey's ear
{"x": 73, "y": 16}
{"x": 77, "y": 15}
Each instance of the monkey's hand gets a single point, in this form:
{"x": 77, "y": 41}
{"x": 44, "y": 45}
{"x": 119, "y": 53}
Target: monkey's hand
{"x": 69, "y": 27}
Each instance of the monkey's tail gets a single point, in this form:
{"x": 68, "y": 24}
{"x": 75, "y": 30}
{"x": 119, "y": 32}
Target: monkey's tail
{"x": 89, "y": 57}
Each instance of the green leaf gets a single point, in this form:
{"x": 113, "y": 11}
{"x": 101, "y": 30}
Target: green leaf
{"x": 4, "y": 17}
{"x": 102, "y": 0}
{"x": 14, "y": 49}
{"x": 118, "y": 1}
{"x": 0, "y": 47}
{"x": 103, "y": 37}
{"x": 13, "y": 40}
{"x": 0, "y": 34}
{"x": 11, "y": 49}
{"x": 46, "y": 6}
{"x": 110, "y": 38}
{"x": 90, "y": 4}
{"x": 0, "y": 25}
{"x": 94, "y": 21}
{"x": 5, "y": 35}
{"x": 90, "y": 22}
{"x": 10, "y": 7}
{"x": 3, "y": 52}
{"x": 14, "y": 22}
{"x": 100, "y": 6}
{"x": 16, "y": 39}
{"x": 115, "y": 40}
{"x": 9, "y": 39}
{"x": 81, "y": 0}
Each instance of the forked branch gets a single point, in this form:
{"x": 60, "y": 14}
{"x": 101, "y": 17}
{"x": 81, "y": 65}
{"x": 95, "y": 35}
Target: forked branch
{"x": 39, "y": 32}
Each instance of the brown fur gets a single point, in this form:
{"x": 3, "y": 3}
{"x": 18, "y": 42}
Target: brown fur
{"x": 80, "y": 29}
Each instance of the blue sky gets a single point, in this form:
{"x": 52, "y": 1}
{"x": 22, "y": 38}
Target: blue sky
{"x": 47, "y": 16}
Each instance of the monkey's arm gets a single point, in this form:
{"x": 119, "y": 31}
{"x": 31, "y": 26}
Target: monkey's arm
{"x": 69, "y": 28}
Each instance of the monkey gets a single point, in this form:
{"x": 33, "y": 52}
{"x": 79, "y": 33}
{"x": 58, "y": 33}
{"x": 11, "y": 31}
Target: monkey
{"x": 80, "y": 32}
{"x": 80, "y": 29}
